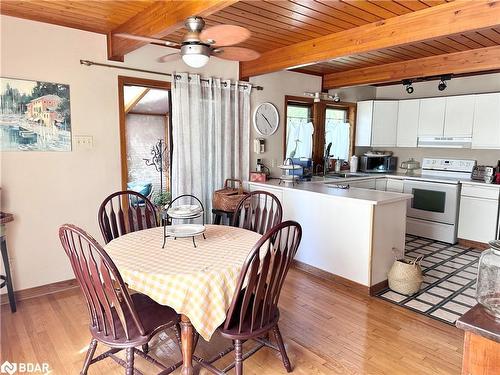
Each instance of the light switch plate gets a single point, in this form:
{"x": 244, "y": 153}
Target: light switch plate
{"x": 83, "y": 142}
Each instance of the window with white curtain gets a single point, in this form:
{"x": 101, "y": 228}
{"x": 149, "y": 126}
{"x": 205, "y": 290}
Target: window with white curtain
{"x": 337, "y": 131}
{"x": 299, "y": 131}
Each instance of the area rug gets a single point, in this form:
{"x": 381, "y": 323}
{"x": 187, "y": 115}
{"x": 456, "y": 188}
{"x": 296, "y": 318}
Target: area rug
{"x": 449, "y": 286}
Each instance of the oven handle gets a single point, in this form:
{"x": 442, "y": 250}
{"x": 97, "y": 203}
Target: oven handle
{"x": 444, "y": 187}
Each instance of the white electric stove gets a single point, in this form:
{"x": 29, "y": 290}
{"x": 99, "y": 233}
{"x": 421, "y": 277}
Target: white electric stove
{"x": 433, "y": 210}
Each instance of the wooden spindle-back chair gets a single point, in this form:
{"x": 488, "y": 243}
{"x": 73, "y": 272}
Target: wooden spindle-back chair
{"x": 254, "y": 312}
{"x": 258, "y": 212}
{"x": 124, "y": 212}
{"x": 117, "y": 319}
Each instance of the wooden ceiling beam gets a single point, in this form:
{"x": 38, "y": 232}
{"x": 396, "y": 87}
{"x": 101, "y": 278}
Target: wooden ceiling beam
{"x": 476, "y": 60}
{"x": 434, "y": 22}
{"x": 159, "y": 20}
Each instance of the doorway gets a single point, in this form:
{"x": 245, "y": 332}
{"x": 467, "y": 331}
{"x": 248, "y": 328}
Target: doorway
{"x": 145, "y": 136}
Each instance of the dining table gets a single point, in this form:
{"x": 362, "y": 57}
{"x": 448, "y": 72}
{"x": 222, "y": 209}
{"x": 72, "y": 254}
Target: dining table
{"x": 197, "y": 282}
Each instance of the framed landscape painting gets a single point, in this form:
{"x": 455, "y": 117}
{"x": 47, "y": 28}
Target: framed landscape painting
{"x": 34, "y": 116}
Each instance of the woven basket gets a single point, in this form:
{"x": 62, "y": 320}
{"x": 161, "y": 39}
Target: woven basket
{"x": 406, "y": 277}
{"x": 228, "y": 198}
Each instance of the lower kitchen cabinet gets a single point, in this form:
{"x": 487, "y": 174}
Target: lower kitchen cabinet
{"x": 381, "y": 184}
{"x": 478, "y": 218}
{"x": 394, "y": 185}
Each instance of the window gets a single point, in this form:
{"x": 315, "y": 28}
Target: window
{"x": 337, "y": 132}
{"x": 299, "y": 131}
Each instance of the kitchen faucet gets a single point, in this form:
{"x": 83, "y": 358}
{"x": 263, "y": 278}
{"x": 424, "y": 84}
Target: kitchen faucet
{"x": 326, "y": 159}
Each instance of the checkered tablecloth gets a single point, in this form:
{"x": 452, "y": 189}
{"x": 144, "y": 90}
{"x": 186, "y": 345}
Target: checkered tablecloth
{"x": 197, "y": 282}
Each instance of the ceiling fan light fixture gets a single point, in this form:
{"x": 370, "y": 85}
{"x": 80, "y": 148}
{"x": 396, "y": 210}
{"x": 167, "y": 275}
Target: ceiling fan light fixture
{"x": 195, "y": 55}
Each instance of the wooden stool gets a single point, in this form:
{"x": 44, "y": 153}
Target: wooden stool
{"x": 7, "y": 278}
{"x": 218, "y": 214}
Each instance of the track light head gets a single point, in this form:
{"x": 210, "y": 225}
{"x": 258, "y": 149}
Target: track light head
{"x": 408, "y": 86}
{"x": 442, "y": 84}
{"x": 336, "y": 98}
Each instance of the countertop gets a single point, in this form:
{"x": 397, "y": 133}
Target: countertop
{"x": 318, "y": 186}
{"x": 479, "y": 322}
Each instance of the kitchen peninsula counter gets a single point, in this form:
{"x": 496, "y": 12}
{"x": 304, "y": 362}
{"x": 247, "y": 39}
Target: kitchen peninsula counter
{"x": 350, "y": 235}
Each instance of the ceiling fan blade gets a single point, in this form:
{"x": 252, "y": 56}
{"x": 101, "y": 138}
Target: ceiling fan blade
{"x": 236, "y": 53}
{"x": 169, "y": 57}
{"x": 225, "y": 35}
{"x": 147, "y": 39}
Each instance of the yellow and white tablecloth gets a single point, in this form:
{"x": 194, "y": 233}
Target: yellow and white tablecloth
{"x": 197, "y": 282}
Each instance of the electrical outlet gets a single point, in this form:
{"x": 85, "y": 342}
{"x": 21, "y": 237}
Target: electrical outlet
{"x": 83, "y": 142}
{"x": 274, "y": 164}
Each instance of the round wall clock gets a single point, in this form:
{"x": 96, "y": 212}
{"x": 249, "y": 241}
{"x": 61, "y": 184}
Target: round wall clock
{"x": 266, "y": 119}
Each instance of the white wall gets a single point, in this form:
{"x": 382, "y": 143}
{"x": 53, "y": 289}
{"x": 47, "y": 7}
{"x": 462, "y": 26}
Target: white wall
{"x": 355, "y": 94}
{"x": 276, "y": 86}
{"x": 47, "y": 189}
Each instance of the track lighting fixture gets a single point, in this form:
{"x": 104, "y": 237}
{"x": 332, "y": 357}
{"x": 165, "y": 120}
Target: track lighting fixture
{"x": 336, "y": 98}
{"x": 408, "y": 86}
{"x": 442, "y": 83}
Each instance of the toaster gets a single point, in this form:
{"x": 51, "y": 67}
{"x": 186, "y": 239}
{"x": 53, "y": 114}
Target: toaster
{"x": 481, "y": 171}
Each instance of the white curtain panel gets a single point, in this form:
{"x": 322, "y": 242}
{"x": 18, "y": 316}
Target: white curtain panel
{"x": 210, "y": 135}
{"x": 338, "y": 133}
{"x": 299, "y": 138}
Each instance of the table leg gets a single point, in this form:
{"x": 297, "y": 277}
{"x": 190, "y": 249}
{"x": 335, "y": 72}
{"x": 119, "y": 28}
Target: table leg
{"x": 187, "y": 335}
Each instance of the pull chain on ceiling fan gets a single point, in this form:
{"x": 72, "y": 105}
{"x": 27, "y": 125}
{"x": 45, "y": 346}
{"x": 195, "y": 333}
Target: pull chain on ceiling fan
{"x": 199, "y": 43}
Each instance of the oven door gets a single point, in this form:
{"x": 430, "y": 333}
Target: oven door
{"x": 432, "y": 201}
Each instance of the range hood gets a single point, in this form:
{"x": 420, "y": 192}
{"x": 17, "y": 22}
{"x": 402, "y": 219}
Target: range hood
{"x": 445, "y": 142}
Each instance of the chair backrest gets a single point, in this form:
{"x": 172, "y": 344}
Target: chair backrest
{"x": 124, "y": 212}
{"x": 108, "y": 301}
{"x": 258, "y": 288}
{"x": 258, "y": 212}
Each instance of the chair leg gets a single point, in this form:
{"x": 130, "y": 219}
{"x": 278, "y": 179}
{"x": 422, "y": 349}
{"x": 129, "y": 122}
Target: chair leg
{"x": 129, "y": 356}
{"x": 145, "y": 348}
{"x": 238, "y": 364}
{"x": 281, "y": 346}
{"x": 89, "y": 356}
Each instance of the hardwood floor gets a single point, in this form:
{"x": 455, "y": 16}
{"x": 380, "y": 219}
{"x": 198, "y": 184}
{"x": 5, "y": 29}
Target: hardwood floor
{"x": 327, "y": 330}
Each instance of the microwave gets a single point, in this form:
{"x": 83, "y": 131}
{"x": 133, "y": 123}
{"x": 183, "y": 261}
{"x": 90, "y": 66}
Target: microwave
{"x": 378, "y": 163}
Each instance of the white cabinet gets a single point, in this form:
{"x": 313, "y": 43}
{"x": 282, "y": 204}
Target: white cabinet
{"x": 364, "y": 116}
{"x": 431, "y": 117}
{"x": 366, "y": 184}
{"x": 384, "y": 123}
{"x": 395, "y": 185}
{"x": 381, "y": 184}
{"x": 486, "y": 128}
{"x": 478, "y": 213}
{"x": 407, "y": 123}
{"x": 459, "y": 116}
{"x": 376, "y": 123}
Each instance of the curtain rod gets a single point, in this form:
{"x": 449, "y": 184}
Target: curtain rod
{"x": 90, "y": 63}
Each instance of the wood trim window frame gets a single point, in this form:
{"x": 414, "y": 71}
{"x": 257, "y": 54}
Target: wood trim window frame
{"x": 318, "y": 119}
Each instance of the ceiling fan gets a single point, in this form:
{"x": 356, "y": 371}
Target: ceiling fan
{"x": 199, "y": 43}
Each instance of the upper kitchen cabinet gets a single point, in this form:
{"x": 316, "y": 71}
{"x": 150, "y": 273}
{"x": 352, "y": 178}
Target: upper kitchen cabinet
{"x": 384, "y": 124}
{"x": 407, "y": 124}
{"x": 459, "y": 116}
{"x": 486, "y": 127}
{"x": 364, "y": 116}
{"x": 376, "y": 123}
{"x": 431, "y": 117}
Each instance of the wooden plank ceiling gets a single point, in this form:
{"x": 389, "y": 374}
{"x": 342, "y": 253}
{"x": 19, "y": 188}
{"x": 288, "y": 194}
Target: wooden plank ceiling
{"x": 274, "y": 24}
